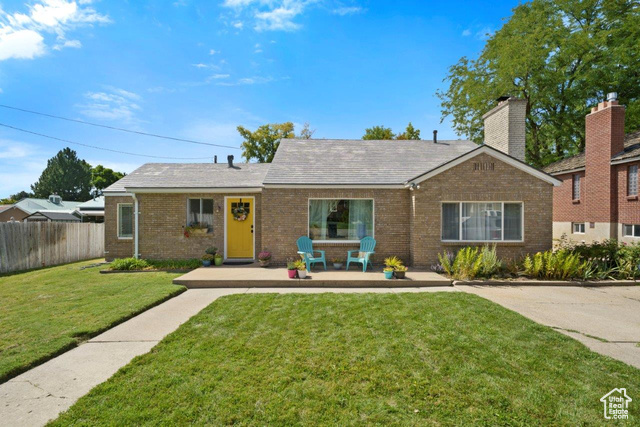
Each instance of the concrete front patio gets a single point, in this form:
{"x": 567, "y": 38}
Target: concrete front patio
{"x": 255, "y": 277}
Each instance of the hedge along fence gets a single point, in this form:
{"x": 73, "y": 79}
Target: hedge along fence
{"x": 26, "y": 245}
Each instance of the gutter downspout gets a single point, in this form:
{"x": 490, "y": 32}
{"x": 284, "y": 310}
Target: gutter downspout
{"x": 135, "y": 231}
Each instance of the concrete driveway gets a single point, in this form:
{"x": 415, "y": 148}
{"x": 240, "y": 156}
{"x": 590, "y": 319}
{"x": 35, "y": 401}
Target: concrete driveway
{"x": 605, "y": 319}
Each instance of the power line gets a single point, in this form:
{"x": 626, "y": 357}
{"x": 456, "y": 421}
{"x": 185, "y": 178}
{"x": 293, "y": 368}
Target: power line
{"x": 117, "y": 128}
{"x": 100, "y": 148}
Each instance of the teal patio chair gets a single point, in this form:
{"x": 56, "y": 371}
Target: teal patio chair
{"x": 305, "y": 249}
{"x": 367, "y": 245}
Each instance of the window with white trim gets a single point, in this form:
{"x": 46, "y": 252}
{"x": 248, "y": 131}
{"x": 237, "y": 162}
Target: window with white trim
{"x": 200, "y": 213}
{"x": 340, "y": 219}
{"x": 632, "y": 180}
{"x": 125, "y": 220}
{"x": 631, "y": 230}
{"x": 578, "y": 227}
{"x": 576, "y": 187}
{"x": 482, "y": 221}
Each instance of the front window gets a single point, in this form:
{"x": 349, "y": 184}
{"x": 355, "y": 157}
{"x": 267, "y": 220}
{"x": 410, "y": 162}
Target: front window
{"x": 576, "y": 187}
{"x": 340, "y": 219}
{"x": 125, "y": 220}
{"x": 482, "y": 222}
{"x": 578, "y": 227}
{"x": 632, "y": 180}
{"x": 200, "y": 213}
{"x": 631, "y": 230}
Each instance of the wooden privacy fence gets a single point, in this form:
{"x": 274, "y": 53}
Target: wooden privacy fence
{"x": 25, "y": 245}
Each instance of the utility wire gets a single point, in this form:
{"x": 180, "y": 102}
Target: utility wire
{"x": 100, "y": 148}
{"x": 117, "y": 128}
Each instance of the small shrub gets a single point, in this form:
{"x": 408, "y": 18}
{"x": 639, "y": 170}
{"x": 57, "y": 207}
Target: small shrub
{"x": 211, "y": 250}
{"x": 264, "y": 256}
{"x": 175, "y": 264}
{"x": 128, "y": 264}
{"x": 299, "y": 265}
{"x": 559, "y": 265}
{"x": 207, "y": 257}
{"x": 392, "y": 262}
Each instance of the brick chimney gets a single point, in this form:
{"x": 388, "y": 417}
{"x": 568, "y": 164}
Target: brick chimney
{"x": 604, "y": 138}
{"x": 504, "y": 126}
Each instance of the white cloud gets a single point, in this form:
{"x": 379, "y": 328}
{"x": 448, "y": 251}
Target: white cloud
{"x": 238, "y": 25}
{"x": 270, "y": 15}
{"x": 22, "y": 35}
{"x": 213, "y": 52}
{"x": 112, "y": 104}
{"x": 347, "y": 10}
{"x": 21, "y": 44}
{"x": 485, "y": 33}
{"x": 219, "y": 76}
{"x": 247, "y": 81}
{"x": 466, "y": 33}
{"x": 10, "y": 149}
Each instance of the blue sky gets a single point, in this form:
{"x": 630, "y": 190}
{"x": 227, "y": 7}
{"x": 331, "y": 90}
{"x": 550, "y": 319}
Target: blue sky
{"x": 197, "y": 69}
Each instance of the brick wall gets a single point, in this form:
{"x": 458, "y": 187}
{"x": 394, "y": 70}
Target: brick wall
{"x": 15, "y": 213}
{"x": 628, "y": 207}
{"x": 161, "y": 221}
{"x": 564, "y": 207}
{"x": 463, "y": 183}
{"x": 604, "y": 137}
{"x": 287, "y": 214}
{"x": 114, "y": 247}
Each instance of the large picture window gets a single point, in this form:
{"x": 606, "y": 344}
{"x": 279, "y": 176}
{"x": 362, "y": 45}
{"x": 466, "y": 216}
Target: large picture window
{"x": 125, "y": 221}
{"x": 482, "y": 221}
{"x": 340, "y": 219}
{"x": 200, "y": 213}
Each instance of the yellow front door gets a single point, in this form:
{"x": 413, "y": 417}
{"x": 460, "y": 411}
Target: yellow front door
{"x": 240, "y": 227}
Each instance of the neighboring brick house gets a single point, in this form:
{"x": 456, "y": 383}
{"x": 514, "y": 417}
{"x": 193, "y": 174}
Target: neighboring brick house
{"x": 30, "y": 206}
{"x": 416, "y": 198}
{"x": 598, "y": 198}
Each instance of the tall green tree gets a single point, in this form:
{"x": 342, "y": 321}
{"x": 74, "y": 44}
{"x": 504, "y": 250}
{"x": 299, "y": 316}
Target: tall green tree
{"x": 102, "y": 177}
{"x": 14, "y": 198}
{"x": 378, "y": 132}
{"x": 562, "y": 56}
{"x": 65, "y": 175}
{"x": 409, "y": 133}
{"x": 306, "y": 132}
{"x": 262, "y": 143}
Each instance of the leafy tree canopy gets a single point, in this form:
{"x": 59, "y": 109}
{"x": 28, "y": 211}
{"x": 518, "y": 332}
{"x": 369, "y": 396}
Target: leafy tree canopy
{"x": 381, "y": 132}
{"x": 562, "y": 56}
{"x": 102, "y": 177}
{"x": 65, "y": 175}
{"x": 262, "y": 143}
{"x": 14, "y": 198}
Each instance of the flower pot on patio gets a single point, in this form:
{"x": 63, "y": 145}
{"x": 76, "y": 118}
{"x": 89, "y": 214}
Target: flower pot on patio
{"x": 400, "y": 271}
{"x": 302, "y": 274}
{"x": 264, "y": 262}
{"x": 218, "y": 260}
{"x": 264, "y": 258}
{"x": 292, "y": 273}
{"x": 206, "y": 263}
{"x": 388, "y": 274}
{"x": 337, "y": 265}
{"x": 206, "y": 260}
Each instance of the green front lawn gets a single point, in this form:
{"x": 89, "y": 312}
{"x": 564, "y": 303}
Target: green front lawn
{"x": 45, "y": 312}
{"x": 343, "y": 359}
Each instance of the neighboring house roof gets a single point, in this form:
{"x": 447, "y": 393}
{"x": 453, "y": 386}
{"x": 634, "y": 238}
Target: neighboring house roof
{"x": 191, "y": 175}
{"x": 54, "y": 216}
{"x": 96, "y": 204}
{"x": 5, "y": 207}
{"x": 577, "y": 162}
{"x": 31, "y": 205}
{"x": 358, "y": 162}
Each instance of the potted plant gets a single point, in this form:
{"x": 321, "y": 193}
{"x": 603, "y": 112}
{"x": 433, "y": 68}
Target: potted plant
{"x": 196, "y": 229}
{"x": 264, "y": 258}
{"x": 212, "y": 250}
{"x": 206, "y": 260}
{"x": 392, "y": 262}
{"x": 388, "y": 273}
{"x": 217, "y": 259}
{"x": 292, "y": 270}
{"x": 399, "y": 271}
{"x": 302, "y": 269}
{"x": 337, "y": 263}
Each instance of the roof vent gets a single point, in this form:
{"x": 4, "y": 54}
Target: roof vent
{"x": 230, "y": 160}
{"x": 54, "y": 198}
{"x": 612, "y": 96}
{"x": 435, "y": 136}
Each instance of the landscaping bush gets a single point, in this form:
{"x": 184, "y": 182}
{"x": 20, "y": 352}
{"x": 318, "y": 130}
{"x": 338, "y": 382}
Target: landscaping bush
{"x": 471, "y": 263}
{"x": 127, "y": 264}
{"x": 558, "y": 265}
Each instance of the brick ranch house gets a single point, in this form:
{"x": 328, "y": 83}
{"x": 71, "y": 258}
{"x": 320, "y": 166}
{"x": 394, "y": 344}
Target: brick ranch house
{"x": 598, "y": 198}
{"x": 416, "y": 198}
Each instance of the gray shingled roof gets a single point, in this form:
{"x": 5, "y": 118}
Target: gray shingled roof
{"x": 340, "y": 161}
{"x": 631, "y": 149}
{"x": 192, "y": 175}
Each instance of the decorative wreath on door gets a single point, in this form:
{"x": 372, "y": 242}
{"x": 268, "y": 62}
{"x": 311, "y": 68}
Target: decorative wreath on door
{"x": 239, "y": 212}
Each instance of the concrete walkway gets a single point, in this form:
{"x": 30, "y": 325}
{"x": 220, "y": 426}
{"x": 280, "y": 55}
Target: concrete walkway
{"x": 39, "y": 395}
{"x": 605, "y": 319}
